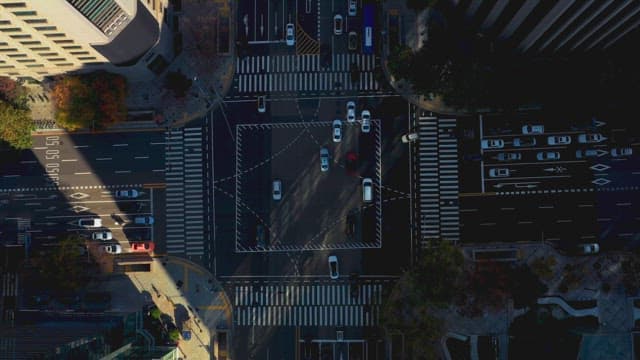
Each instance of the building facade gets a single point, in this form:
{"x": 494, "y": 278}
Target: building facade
{"x": 40, "y": 38}
{"x": 554, "y": 25}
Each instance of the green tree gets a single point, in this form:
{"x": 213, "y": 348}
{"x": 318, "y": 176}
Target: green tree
{"x": 174, "y": 335}
{"x": 15, "y": 126}
{"x": 63, "y": 267}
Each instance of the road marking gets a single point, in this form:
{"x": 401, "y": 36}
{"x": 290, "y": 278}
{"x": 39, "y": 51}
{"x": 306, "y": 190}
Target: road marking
{"x": 623, "y": 204}
{"x": 525, "y": 222}
{"x": 32, "y": 204}
{"x": 28, "y": 162}
{"x": 552, "y": 239}
{"x": 476, "y": 194}
{"x": 81, "y": 146}
{"x": 468, "y": 210}
{"x": 625, "y": 234}
{"x": 603, "y": 219}
{"x": 40, "y": 148}
{"x": 67, "y": 160}
{"x": 8, "y": 176}
{"x": 82, "y": 173}
{"x": 529, "y": 177}
{"x": 587, "y": 237}
{"x": 141, "y": 157}
{"x": 545, "y": 207}
{"x": 564, "y": 221}
{"x": 487, "y": 224}
{"x": 157, "y": 143}
{"x": 122, "y": 171}
{"x": 158, "y": 170}
{"x": 507, "y": 208}
{"x": 585, "y": 205}
{"x": 120, "y": 145}
{"x": 100, "y": 159}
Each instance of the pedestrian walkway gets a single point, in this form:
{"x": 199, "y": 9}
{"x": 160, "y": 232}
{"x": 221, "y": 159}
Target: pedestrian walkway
{"x": 9, "y": 284}
{"x": 307, "y": 305}
{"x": 437, "y": 169}
{"x": 286, "y": 73}
{"x": 184, "y": 192}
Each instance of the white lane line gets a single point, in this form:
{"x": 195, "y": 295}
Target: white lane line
{"x": 530, "y": 177}
{"x": 625, "y": 234}
{"x": 623, "y": 204}
{"x": 157, "y": 143}
{"x": 122, "y": 171}
{"x": 525, "y": 222}
{"x": 28, "y": 162}
{"x": 100, "y": 159}
{"x": 564, "y": 221}
{"x": 158, "y": 170}
{"x": 603, "y": 219}
{"x": 468, "y": 210}
{"x": 32, "y": 204}
{"x": 587, "y": 237}
{"x": 487, "y": 224}
{"x": 81, "y": 146}
{"x": 120, "y": 145}
{"x": 67, "y": 160}
{"x": 585, "y": 205}
{"x": 82, "y": 173}
{"x": 10, "y": 175}
{"x": 141, "y": 157}
{"x": 552, "y": 239}
{"x": 40, "y": 148}
{"x": 507, "y": 209}
{"x": 545, "y": 207}
{"x": 635, "y": 172}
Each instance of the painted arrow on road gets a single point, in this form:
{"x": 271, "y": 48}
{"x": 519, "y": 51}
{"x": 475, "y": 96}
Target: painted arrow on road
{"x": 518, "y": 184}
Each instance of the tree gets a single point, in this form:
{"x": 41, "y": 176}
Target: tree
{"x": 174, "y": 335}
{"x": 438, "y": 274}
{"x": 13, "y": 93}
{"x": 631, "y": 274}
{"x": 178, "y": 83}
{"x": 15, "y": 126}
{"x": 62, "y": 267}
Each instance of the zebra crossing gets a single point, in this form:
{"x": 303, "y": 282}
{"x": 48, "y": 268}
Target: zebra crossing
{"x": 288, "y": 73}
{"x": 9, "y": 284}
{"x": 307, "y": 305}
{"x": 184, "y": 192}
{"x": 438, "y": 186}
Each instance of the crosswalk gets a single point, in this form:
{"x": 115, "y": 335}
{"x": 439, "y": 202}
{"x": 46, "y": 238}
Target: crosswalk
{"x": 287, "y": 73}
{"x": 438, "y": 184}
{"x": 184, "y": 192}
{"x": 9, "y": 284}
{"x": 307, "y": 305}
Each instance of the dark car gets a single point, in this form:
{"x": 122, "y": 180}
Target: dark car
{"x": 350, "y": 228}
{"x": 261, "y": 236}
{"x": 352, "y": 163}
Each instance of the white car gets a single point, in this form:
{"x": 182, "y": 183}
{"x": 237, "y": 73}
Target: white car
{"x": 90, "y": 222}
{"x": 548, "y": 155}
{"x": 510, "y": 156}
{"x": 324, "y": 159}
{"x": 291, "y": 38}
{"x": 337, "y": 130}
{"x": 102, "y": 235}
{"x": 127, "y": 194}
{"x": 351, "y": 111}
{"x": 586, "y": 153}
{"x": 367, "y": 190}
{"x": 366, "y": 121}
{"x": 262, "y": 104}
{"x": 112, "y": 248}
{"x": 591, "y": 138}
{"x": 276, "y": 189}
{"x": 589, "y": 249}
{"x": 498, "y": 172}
{"x": 337, "y": 24}
{"x": 353, "y": 7}
{"x": 524, "y": 142}
{"x": 559, "y": 140}
{"x": 618, "y": 152}
{"x": 492, "y": 144}
{"x": 532, "y": 129}
{"x": 410, "y": 137}
{"x": 333, "y": 267}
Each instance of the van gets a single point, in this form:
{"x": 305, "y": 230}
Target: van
{"x": 367, "y": 189}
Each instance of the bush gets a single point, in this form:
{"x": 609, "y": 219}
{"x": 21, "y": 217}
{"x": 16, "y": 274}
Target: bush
{"x": 174, "y": 335}
{"x": 156, "y": 313}
{"x": 15, "y": 126}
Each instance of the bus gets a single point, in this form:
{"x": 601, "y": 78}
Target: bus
{"x": 368, "y": 29}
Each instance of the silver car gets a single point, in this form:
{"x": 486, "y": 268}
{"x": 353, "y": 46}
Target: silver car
{"x": 337, "y": 130}
{"x": 351, "y": 111}
{"x": 559, "y": 140}
{"x": 291, "y": 38}
{"x": 366, "y": 121}
{"x": 127, "y": 194}
{"x": 324, "y": 159}
{"x": 548, "y": 155}
{"x": 102, "y": 235}
{"x": 276, "y": 189}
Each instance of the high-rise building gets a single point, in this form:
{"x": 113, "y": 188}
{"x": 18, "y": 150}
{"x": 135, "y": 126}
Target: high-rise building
{"x": 39, "y": 38}
{"x": 553, "y": 25}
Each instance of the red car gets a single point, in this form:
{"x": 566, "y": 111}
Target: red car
{"x": 352, "y": 163}
{"x": 146, "y": 246}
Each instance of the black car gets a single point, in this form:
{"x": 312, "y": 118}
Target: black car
{"x": 350, "y": 227}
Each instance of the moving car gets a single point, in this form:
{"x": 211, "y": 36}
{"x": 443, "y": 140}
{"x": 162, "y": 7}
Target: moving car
{"x": 333, "y": 267}
{"x": 90, "y": 222}
{"x": 511, "y": 156}
{"x": 367, "y": 190}
{"x": 291, "y": 38}
{"x": 532, "y": 129}
{"x": 353, "y": 41}
{"x": 337, "y": 130}
{"x": 410, "y": 137}
{"x": 498, "y": 172}
{"x": 143, "y": 246}
{"x": 350, "y": 229}
{"x": 353, "y": 7}
{"x": 586, "y": 153}
{"x": 127, "y": 194}
{"x": 102, "y": 235}
{"x": 492, "y": 144}
{"x": 352, "y": 163}
{"x": 548, "y": 155}
{"x": 524, "y": 142}
{"x": 337, "y": 24}
{"x": 366, "y": 121}
{"x": 351, "y": 111}
{"x": 589, "y": 249}
{"x": 262, "y": 104}
{"x": 559, "y": 140}
{"x": 143, "y": 220}
{"x": 618, "y": 152}
{"x": 260, "y": 236}
{"x": 276, "y": 189}
{"x": 112, "y": 248}
{"x": 591, "y": 138}
{"x": 324, "y": 159}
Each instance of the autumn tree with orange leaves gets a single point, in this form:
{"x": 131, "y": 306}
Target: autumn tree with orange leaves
{"x": 90, "y": 101}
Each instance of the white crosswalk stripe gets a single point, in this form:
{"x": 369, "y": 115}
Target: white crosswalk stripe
{"x": 307, "y": 305}
{"x": 184, "y": 192}
{"x": 438, "y": 185}
{"x": 9, "y": 284}
{"x": 288, "y": 73}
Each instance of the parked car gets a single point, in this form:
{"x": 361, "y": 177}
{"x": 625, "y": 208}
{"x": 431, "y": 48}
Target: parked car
{"x": 127, "y": 194}
{"x": 337, "y": 24}
{"x": 586, "y": 153}
{"x": 510, "y": 156}
{"x": 337, "y": 130}
{"x": 143, "y": 220}
{"x": 324, "y": 159}
{"x": 524, "y": 142}
{"x": 333, "y": 267}
{"x": 260, "y": 236}
{"x": 548, "y": 155}
{"x": 498, "y": 172}
{"x": 350, "y": 228}
{"x": 588, "y": 249}
{"x": 492, "y": 144}
{"x": 559, "y": 140}
{"x": 276, "y": 189}
{"x": 591, "y": 138}
{"x": 409, "y": 137}
{"x": 291, "y": 37}
{"x": 262, "y": 106}
{"x": 102, "y": 235}
{"x": 353, "y": 41}
{"x": 351, "y": 111}
{"x": 352, "y": 163}
{"x": 143, "y": 246}
{"x": 112, "y": 248}
{"x": 367, "y": 189}
{"x": 366, "y": 121}
{"x": 90, "y": 222}
{"x": 532, "y": 129}
{"x": 353, "y": 6}
{"x": 618, "y": 152}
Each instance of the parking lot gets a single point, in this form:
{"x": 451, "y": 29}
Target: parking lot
{"x": 318, "y": 209}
